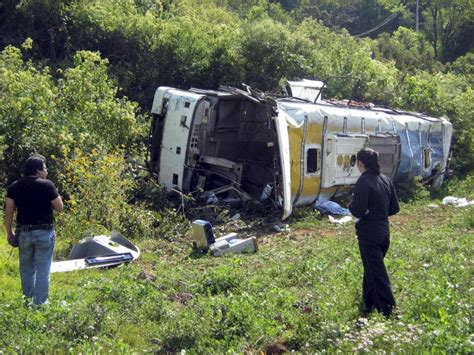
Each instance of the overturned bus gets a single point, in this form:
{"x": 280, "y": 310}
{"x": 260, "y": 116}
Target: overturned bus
{"x": 295, "y": 149}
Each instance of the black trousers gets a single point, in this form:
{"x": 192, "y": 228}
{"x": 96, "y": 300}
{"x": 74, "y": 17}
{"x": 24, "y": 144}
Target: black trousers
{"x": 376, "y": 290}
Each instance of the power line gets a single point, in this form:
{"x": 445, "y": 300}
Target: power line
{"x": 383, "y": 23}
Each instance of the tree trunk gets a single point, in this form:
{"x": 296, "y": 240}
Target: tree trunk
{"x": 434, "y": 15}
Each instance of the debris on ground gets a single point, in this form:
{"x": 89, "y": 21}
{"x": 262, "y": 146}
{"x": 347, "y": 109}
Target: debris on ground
{"x": 98, "y": 251}
{"x": 281, "y": 227}
{"x": 457, "y": 201}
{"x": 204, "y": 240}
{"x": 230, "y": 243}
{"x": 342, "y": 220}
{"x": 210, "y": 197}
{"x": 235, "y": 217}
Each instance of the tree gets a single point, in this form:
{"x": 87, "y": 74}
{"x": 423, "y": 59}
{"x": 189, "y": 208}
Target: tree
{"x": 448, "y": 24}
{"x": 41, "y": 20}
{"x": 408, "y": 49}
{"x": 39, "y": 114}
{"x": 337, "y": 54}
{"x": 271, "y": 52}
{"x": 355, "y": 16}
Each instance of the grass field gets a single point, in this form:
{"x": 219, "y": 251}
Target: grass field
{"x": 299, "y": 292}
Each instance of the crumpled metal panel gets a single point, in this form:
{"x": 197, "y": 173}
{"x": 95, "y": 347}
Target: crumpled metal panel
{"x": 413, "y": 144}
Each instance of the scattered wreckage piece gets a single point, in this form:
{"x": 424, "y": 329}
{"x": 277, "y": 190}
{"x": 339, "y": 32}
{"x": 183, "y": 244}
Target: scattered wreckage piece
{"x": 342, "y": 220}
{"x": 457, "y": 201}
{"x": 98, "y": 251}
{"x": 204, "y": 240}
{"x": 293, "y": 150}
{"x": 230, "y": 243}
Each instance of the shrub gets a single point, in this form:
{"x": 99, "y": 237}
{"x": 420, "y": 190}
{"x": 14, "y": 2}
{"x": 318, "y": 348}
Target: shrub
{"x": 97, "y": 198}
{"x": 408, "y": 49}
{"x": 411, "y": 189}
{"x": 27, "y": 101}
{"x": 41, "y": 115}
{"x": 461, "y": 187}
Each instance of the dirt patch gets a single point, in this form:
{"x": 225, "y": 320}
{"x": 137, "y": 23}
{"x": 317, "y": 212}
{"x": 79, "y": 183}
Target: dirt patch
{"x": 266, "y": 237}
{"x": 316, "y": 231}
{"x": 147, "y": 275}
{"x": 401, "y": 219}
{"x": 428, "y": 217}
{"x": 276, "y": 348}
{"x": 182, "y": 298}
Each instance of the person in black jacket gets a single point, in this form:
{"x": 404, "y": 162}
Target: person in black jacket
{"x": 373, "y": 201}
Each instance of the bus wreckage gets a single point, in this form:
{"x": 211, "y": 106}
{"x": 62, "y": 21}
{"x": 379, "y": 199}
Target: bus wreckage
{"x": 296, "y": 149}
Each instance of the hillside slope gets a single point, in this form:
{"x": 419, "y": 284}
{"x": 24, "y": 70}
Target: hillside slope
{"x": 300, "y": 291}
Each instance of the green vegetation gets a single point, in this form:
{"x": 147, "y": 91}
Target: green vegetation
{"x": 77, "y": 78}
{"x": 50, "y": 116}
{"x": 300, "y": 291}
{"x": 86, "y": 64}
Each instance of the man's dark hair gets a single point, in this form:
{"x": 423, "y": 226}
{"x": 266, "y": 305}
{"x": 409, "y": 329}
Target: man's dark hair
{"x": 32, "y": 164}
{"x": 370, "y": 158}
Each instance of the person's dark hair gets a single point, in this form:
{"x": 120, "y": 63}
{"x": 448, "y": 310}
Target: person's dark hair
{"x": 370, "y": 158}
{"x": 32, "y": 164}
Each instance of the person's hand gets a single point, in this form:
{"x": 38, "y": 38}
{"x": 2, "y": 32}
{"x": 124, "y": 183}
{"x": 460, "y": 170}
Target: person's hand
{"x": 10, "y": 238}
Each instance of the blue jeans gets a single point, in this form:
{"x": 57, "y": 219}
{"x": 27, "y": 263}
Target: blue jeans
{"x": 36, "y": 254}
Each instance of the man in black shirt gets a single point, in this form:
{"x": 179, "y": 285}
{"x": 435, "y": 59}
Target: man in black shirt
{"x": 374, "y": 200}
{"x": 34, "y": 197}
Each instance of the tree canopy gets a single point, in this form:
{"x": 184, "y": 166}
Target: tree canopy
{"x": 85, "y": 62}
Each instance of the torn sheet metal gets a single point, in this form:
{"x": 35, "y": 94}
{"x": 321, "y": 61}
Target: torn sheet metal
{"x": 231, "y": 243}
{"x": 305, "y": 89}
{"x": 204, "y": 240}
{"x": 99, "y": 251}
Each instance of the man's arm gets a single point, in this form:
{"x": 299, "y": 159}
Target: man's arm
{"x": 10, "y": 207}
{"x": 57, "y": 204}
